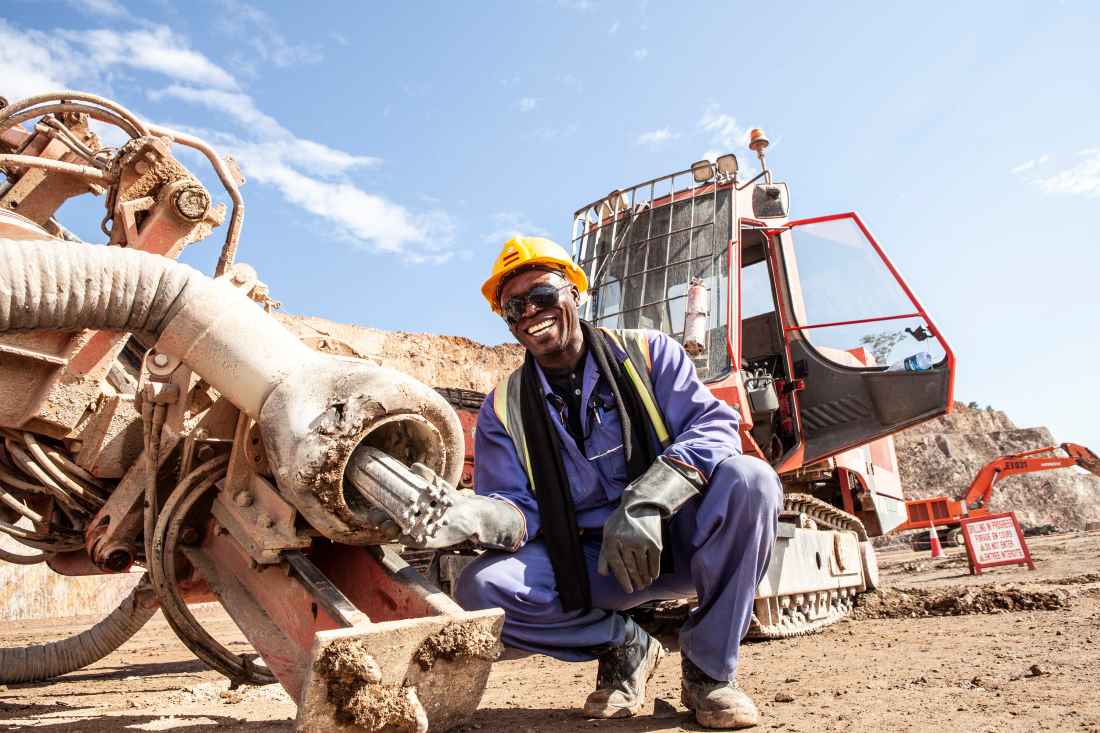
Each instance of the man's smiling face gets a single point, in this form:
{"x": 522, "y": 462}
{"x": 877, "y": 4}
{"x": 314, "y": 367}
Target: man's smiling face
{"x": 553, "y": 334}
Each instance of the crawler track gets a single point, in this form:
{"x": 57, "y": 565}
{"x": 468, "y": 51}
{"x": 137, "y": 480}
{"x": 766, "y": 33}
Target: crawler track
{"x": 803, "y": 509}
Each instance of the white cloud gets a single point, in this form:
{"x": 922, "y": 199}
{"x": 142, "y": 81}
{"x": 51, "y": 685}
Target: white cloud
{"x": 29, "y": 63}
{"x": 275, "y": 139}
{"x": 1028, "y": 165}
{"x": 308, "y": 174}
{"x": 508, "y": 224}
{"x": 723, "y": 131}
{"x": 527, "y": 104}
{"x": 1082, "y": 179}
{"x": 360, "y": 216}
{"x": 581, "y": 5}
{"x": 32, "y": 61}
{"x": 260, "y": 32}
{"x": 315, "y": 177}
{"x": 641, "y": 53}
{"x": 656, "y": 137}
{"x": 613, "y": 29}
{"x": 158, "y": 49}
{"x": 236, "y": 105}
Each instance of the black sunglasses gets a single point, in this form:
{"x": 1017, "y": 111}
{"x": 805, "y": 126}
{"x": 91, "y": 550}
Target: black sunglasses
{"x": 541, "y": 296}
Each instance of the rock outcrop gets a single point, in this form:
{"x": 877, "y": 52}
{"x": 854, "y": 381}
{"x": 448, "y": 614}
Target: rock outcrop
{"x": 441, "y": 361}
{"x": 942, "y": 457}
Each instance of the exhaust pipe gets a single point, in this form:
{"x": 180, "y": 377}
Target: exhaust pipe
{"x": 313, "y": 410}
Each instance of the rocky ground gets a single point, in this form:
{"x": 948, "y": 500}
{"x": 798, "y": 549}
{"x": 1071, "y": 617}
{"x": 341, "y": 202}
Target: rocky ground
{"x": 903, "y": 665}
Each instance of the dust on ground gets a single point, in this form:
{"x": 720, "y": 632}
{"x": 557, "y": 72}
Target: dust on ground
{"x": 1013, "y": 670}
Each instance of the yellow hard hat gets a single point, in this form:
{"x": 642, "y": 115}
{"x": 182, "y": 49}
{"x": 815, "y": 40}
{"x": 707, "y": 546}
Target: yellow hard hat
{"x": 521, "y": 251}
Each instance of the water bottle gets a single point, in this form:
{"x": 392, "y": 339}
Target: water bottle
{"x": 918, "y": 362}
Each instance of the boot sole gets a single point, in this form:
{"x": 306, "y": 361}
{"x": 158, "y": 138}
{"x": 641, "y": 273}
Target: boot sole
{"x": 629, "y": 712}
{"x": 724, "y": 721}
{"x": 719, "y": 719}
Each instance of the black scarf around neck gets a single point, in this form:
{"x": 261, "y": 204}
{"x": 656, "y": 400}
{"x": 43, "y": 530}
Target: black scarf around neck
{"x": 552, "y": 489}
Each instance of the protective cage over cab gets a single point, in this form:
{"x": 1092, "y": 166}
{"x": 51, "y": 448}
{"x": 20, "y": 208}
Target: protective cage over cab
{"x": 804, "y": 325}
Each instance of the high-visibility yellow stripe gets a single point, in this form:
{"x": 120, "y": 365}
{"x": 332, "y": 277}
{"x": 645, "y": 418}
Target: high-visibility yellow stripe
{"x": 654, "y": 413}
{"x": 527, "y": 465}
{"x": 500, "y": 402}
{"x": 639, "y": 345}
{"x": 500, "y": 407}
{"x": 614, "y": 337}
{"x": 643, "y": 346}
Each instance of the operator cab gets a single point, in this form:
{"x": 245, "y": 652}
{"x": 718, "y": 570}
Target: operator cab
{"x": 795, "y": 323}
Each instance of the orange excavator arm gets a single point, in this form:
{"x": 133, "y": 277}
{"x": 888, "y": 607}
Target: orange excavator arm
{"x": 1039, "y": 459}
{"x": 942, "y": 511}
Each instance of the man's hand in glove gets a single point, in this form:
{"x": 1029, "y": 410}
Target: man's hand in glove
{"x": 489, "y": 523}
{"x": 631, "y": 548}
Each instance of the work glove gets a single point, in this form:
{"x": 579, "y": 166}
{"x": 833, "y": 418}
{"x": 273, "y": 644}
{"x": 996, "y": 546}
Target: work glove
{"x": 631, "y": 549}
{"x": 485, "y": 522}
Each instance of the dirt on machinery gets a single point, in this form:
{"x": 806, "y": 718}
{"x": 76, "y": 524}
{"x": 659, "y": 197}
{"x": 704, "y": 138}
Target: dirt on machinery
{"x": 455, "y": 641}
{"x": 936, "y": 649}
{"x": 355, "y": 689}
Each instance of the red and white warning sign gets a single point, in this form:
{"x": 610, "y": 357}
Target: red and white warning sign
{"x": 995, "y": 539}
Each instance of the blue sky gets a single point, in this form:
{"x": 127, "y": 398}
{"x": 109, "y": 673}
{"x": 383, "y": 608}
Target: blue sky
{"x": 391, "y": 147}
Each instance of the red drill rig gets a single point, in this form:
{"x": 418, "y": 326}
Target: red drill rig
{"x": 782, "y": 317}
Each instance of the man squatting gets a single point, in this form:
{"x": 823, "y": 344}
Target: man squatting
{"x": 608, "y": 476}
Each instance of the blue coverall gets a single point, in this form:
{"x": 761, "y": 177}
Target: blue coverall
{"x": 720, "y": 541}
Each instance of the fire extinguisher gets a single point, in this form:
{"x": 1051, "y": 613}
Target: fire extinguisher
{"x": 695, "y": 319}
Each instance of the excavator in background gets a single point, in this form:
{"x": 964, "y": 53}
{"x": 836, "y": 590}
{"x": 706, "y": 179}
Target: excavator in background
{"x": 945, "y": 514}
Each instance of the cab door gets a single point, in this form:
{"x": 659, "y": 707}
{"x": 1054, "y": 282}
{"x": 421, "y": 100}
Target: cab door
{"x": 846, "y": 316}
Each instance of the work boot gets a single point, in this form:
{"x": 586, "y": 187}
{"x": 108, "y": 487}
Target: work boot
{"x": 716, "y": 703}
{"x": 623, "y": 674}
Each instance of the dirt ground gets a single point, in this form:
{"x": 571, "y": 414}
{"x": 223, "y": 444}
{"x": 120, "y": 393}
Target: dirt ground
{"x": 1007, "y": 671}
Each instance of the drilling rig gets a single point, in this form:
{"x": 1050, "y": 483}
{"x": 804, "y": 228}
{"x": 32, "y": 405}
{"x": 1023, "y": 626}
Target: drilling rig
{"x": 154, "y": 417}
{"x": 781, "y": 316}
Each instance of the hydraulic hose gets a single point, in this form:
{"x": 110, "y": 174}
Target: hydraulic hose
{"x": 45, "y": 661}
{"x": 313, "y": 410}
{"x": 209, "y": 325}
